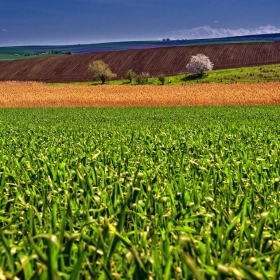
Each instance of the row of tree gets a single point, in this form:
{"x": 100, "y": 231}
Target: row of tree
{"x": 99, "y": 70}
{"x": 143, "y": 77}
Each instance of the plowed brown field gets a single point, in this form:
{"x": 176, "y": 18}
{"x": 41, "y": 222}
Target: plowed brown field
{"x": 168, "y": 61}
{"x": 32, "y": 94}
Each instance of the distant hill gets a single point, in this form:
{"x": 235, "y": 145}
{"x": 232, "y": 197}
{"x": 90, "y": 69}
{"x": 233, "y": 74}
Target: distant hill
{"x": 168, "y": 60}
{"x": 23, "y": 52}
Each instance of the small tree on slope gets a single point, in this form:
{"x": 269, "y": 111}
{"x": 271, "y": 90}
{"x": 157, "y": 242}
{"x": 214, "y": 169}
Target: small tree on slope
{"x": 130, "y": 75}
{"x": 99, "y": 70}
{"x": 199, "y": 64}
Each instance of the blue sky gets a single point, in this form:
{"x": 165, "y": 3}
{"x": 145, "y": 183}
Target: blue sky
{"x": 27, "y": 22}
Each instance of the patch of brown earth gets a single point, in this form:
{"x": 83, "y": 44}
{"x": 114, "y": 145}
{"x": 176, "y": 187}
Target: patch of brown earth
{"x": 168, "y": 61}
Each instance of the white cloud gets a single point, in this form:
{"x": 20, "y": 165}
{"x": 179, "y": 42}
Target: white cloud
{"x": 208, "y": 32}
{"x": 267, "y": 29}
{"x": 4, "y": 30}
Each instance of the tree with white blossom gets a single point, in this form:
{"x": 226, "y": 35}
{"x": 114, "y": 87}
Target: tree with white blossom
{"x": 199, "y": 64}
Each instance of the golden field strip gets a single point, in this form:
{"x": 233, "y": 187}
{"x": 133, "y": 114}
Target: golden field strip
{"x": 33, "y": 94}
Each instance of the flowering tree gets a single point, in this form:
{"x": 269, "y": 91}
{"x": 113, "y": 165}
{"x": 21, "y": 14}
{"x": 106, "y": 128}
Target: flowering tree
{"x": 199, "y": 64}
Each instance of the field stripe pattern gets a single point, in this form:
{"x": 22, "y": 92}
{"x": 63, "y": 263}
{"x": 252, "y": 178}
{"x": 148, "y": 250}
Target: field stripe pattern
{"x": 168, "y": 61}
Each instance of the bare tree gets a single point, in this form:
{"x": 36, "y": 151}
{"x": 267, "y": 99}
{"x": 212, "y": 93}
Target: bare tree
{"x": 199, "y": 64}
{"x": 99, "y": 70}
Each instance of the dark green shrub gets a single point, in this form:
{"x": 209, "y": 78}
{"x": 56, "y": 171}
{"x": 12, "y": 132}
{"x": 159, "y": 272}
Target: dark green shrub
{"x": 130, "y": 75}
{"x": 143, "y": 78}
{"x": 162, "y": 78}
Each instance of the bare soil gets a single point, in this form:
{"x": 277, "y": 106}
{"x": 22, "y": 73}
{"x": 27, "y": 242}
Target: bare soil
{"x": 168, "y": 61}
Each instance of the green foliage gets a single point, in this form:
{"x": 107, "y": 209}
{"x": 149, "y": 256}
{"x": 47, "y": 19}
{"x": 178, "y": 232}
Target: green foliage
{"x": 130, "y": 75}
{"x": 162, "y": 78}
{"x": 99, "y": 70}
{"x": 267, "y": 73}
{"x": 133, "y": 193}
{"x": 142, "y": 78}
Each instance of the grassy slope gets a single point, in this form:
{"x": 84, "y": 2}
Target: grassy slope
{"x": 235, "y": 75}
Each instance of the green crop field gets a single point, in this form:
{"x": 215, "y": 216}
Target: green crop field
{"x": 15, "y": 53}
{"x": 140, "y": 193}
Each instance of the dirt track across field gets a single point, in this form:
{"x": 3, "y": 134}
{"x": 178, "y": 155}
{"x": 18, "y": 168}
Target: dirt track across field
{"x": 32, "y": 94}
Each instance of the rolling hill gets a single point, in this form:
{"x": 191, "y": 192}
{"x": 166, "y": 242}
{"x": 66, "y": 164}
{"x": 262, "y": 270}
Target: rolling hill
{"x": 23, "y": 52}
{"x": 167, "y": 60}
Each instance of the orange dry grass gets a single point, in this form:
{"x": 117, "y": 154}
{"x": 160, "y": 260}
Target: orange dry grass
{"x": 32, "y": 94}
